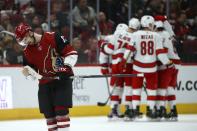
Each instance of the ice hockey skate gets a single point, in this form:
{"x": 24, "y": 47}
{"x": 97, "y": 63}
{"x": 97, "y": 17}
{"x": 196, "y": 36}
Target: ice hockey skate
{"x": 173, "y": 115}
{"x": 115, "y": 114}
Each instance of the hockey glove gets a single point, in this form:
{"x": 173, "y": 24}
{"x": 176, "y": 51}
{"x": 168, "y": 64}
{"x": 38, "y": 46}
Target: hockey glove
{"x": 65, "y": 72}
{"x": 122, "y": 66}
{"x": 105, "y": 71}
{"x": 170, "y": 65}
{"x": 101, "y": 45}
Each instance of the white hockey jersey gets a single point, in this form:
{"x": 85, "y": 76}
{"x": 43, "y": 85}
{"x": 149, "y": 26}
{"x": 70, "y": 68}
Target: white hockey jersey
{"x": 168, "y": 46}
{"x": 148, "y": 46}
{"x": 105, "y": 59}
{"x": 116, "y": 45}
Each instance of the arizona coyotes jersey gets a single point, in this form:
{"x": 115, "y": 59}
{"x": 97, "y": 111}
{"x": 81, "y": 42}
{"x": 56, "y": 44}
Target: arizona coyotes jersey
{"x": 168, "y": 46}
{"x": 39, "y": 57}
{"x": 116, "y": 45}
{"x": 148, "y": 46}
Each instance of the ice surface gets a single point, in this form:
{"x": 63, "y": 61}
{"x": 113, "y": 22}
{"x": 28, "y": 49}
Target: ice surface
{"x": 185, "y": 123}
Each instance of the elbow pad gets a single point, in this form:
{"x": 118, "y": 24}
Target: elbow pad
{"x": 70, "y": 60}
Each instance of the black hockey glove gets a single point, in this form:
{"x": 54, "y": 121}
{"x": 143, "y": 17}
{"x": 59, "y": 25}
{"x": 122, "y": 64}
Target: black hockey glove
{"x": 65, "y": 72}
{"x": 170, "y": 65}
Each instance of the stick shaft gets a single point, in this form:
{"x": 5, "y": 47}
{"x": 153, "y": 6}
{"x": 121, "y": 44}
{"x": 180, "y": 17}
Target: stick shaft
{"x": 98, "y": 76}
{"x": 108, "y": 75}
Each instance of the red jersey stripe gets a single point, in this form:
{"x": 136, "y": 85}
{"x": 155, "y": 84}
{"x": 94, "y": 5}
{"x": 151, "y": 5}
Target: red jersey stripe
{"x": 159, "y": 51}
{"x": 145, "y": 65}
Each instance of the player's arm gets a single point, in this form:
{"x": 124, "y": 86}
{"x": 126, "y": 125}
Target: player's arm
{"x": 129, "y": 52}
{"x": 108, "y": 48}
{"x": 104, "y": 63}
{"x": 130, "y": 48}
{"x": 172, "y": 50}
{"x": 66, "y": 51}
{"x": 29, "y": 70}
{"x": 161, "y": 52}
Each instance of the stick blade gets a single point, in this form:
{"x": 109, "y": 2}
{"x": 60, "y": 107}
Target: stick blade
{"x": 101, "y": 104}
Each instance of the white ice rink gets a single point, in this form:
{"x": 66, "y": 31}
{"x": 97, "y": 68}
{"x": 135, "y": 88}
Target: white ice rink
{"x": 185, "y": 123}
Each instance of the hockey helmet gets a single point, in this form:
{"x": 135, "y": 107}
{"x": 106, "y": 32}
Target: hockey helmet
{"x": 147, "y": 21}
{"x": 159, "y": 24}
{"x": 120, "y": 28}
{"x": 20, "y": 31}
{"x": 134, "y": 23}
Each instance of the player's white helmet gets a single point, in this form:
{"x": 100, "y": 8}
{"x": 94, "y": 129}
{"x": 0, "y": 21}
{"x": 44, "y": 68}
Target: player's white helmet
{"x": 159, "y": 24}
{"x": 120, "y": 28}
{"x": 134, "y": 23}
{"x": 147, "y": 21}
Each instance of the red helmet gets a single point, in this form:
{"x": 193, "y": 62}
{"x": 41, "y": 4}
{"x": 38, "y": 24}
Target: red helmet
{"x": 21, "y": 30}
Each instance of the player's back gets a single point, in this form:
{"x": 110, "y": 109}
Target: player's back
{"x": 120, "y": 41}
{"x": 146, "y": 44}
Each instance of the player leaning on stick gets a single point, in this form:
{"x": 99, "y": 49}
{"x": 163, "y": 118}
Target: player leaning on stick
{"x": 167, "y": 78}
{"x": 148, "y": 47}
{"x": 51, "y": 55}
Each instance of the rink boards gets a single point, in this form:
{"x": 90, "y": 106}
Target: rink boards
{"x": 18, "y": 96}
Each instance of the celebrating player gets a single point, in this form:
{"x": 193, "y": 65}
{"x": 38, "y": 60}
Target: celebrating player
{"x": 113, "y": 48}
{"x": 148, "y": 47}
{"x": 167, "y": 77}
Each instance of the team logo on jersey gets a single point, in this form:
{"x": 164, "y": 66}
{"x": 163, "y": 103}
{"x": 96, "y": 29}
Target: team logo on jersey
{"x": 64, "y": 39}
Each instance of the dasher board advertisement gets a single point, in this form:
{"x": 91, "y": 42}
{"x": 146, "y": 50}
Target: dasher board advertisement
{"x": 5, "y": 92}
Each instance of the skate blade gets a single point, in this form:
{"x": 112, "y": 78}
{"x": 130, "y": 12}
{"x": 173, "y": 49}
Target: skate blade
{"x": 140, "y": 116}
{"x": 173, "y": 119}
{"x": 113, "y": 119}
{"x": 127, "y": 119}
{"x": 152, "y": 119}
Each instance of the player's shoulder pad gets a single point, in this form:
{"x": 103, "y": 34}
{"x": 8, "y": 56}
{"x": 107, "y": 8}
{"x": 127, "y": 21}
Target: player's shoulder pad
{"x": 60, "y": 41}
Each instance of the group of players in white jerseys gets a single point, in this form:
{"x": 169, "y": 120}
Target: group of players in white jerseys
{"x": 144, "y": 47}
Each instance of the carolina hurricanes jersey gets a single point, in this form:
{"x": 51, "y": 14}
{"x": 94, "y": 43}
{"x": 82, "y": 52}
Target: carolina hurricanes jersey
{"x": 148, "y": 47}
{"x": 116, "y": 45}
{"x": 168, "y": 46}
{"x": 39, "y": 56}
{"x": 105, "y": 59}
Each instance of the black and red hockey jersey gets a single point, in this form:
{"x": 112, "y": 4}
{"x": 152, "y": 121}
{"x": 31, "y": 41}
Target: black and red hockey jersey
{"x": 39, "y": 56}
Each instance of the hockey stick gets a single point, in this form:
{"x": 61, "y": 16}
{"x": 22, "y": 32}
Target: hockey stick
{"x": 110, "y": 94}
{"x": 108, "y": 75}
{"x": 126, "y": 75}
{"x": 6, "y": 32}
{"x": 95, "y": 76}
{"x": 108, "y": 88}
{"x": 108, "y": 98}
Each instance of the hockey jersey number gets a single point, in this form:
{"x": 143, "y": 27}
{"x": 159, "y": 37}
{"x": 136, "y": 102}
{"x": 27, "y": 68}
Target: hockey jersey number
{"x": 147, "y": 47}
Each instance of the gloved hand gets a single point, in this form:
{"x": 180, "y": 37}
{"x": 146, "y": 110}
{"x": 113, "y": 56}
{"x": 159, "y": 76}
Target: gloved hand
{"x": 105, "y": 71}
{"x": 101, "y": 45}
{"x": 122, "y": 66}
{"x": 65, "y": 72}
{"x": 170, "y": 65}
